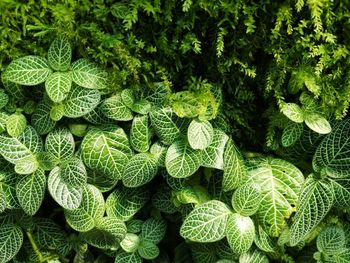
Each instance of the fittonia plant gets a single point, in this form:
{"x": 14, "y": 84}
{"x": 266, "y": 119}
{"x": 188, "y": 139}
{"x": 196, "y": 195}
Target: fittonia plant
{"x": 125, "y": 167}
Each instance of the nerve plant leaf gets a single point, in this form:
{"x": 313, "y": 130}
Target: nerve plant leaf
{"x": 88, "y": 75}
{"x": 30, "y": 191}
{"x": 200, "y": 134}
{"x": 315, "y": 201}
{"x": 90, "y": 211}
{"x": 206, "y": 222}
{"x": 60, "y": 54}
{"x": 181, "y": 160}
{"x": 106, "y": 150}
{"x": 240, "y": 233}
{"x": 213, "y": 155}
{"x": 60, "y": 143}
{"x": 280, "y": 183}
{"x": 29, "y": 70}
{"x": 140, "y": 169}
{"x": 140, "y": 133}
{"x": 58, "y": 85}
{"x": 115, "y": 109}
{"x": 11, "y": 239}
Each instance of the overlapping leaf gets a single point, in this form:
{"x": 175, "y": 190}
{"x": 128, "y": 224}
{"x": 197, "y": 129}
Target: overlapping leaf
{"x": 316, "y": 199}
{"x": 73, "y": 172}
{"x": 80, "y": 101}
{"x": 60, "y": 54}
{"x": 153, "y": 230}
{"x": 213, "y": 155}
{"x": 88, "y": 75}
{"x": 240, "y": 233}
{"x": 291, "y": 133}
{"x": 246, "y": 199}
{"x": 181, "y": 160}
{"x": 58, "y": 85}
{"x": 124, "y": 257}
{"x": 235, "y": 172}
{"x": 140, "y": 133}
{"x": 90, "y": 211}
{"x": 41, "y": 119}
{"x": 11, "y": 239}
{"x": 148, "y": 250}
{"x": 140, "y": 169}
{"x": 115, "y": 109}
{"x": 106, "y": 150}
{"x": 280, "y": 184}
{"x": 331, "y": 240}
{"x": 60, "y": 143}
{"x": 200, "y": 134}
{"x": 123, "y": 202}
{"x": 162, "y": 120}
{"x": 29, "y": 70}
{"x": 130, "y": 243}
{"x": 332, "y": 154}
{"x": 206, "y": 223}
{"x": 65, "y": 195}
{"x": 30, "y": 191}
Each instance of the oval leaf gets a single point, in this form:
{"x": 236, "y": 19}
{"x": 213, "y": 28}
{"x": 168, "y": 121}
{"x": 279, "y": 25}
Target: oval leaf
{"x": 213, "y": 155}
{"x": 11, "y": 239}
{"x": 114, "y": 108}
{"x": 58, "y": 85}
{"x": 317, "y": 123}
{"x": 246, "y": 199}
{"x": 60, "y": 54}
{"x": 88, "y": 75}
{"x": 293, "y": 112}
{"x": 200, "y": 134}
{"x": 240, "y": 233}
{"x": 29, "y": 70}
{"x": 206, "y": 222}
{"x": 140, "y": 133}
{"x": 181, "y": 160}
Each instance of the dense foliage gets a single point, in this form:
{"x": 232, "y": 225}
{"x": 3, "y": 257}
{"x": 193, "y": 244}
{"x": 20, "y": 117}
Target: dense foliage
{"x": 174, "y": 131}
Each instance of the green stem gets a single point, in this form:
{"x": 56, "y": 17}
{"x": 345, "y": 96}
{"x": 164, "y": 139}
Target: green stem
{"x": 35, "y": 247}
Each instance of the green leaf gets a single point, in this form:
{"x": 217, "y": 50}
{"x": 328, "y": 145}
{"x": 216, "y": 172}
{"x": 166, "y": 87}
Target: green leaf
{"x": 213, "y": 155}
{"x": 128, "y": 97}
{"x": 8, "y": 181}
{"x": 123, "y": 203}
{"x": 80, "y": 101}
{"x": 90, "y": 211}
{"x": 3, "y": 120}
{"x": 106, "y": 150}
{"x": 14, "y": 151}
{"x": 200, "y": 134}
{"x": 246, "y": 199}
{"x": 41, "y": 119}
{"x": 317, "y": 123}
{"x": 58, "y": 85}
{"x": 60, "y": 54}
{"x": 235, "y": 172}
{"x": 181, "y": 160}
{"x": 332, "y": 153}
{"x": 331, "y": 240}
{"x": 114, "y": 108}
{"x": 73, "y": 172}
{"x": 280, "y": 183}
{"x": 60, "y": 143}
{"x": 148, "y": 250}
{"x": 11, "y": 239}
{"x": 134, "y": 226}
{"x": 57, "y": 112}
{"x": 140, "y": 133}
{"x": 291, "y": 133}
{"x": 16, "y": 123}
{"x": 4, "y": 98}
{"x": 49, "y": 235}
{"x": 264, "y": 242}
{"x": 142, "y": 107}
{"x": 293, "y": 112}
{"x": 108, "y": 233}
{"x": 88, "y": 75}
{"x": 203, "y": 253}
{"x": 159, "y": 152}
{"x": 206, "y": 223}
{"x": 341, "y": 188}
{"x": 316, "y": 200}
{"x": 162, "y": 120}
{"x": 130, "y": 243}
{"x": 31, "y": 139}
{"x": 65, "y": 195}
{"x": 253, "y": 256}
{"x": 153, "y": 230}
{"x": 140, "y": 169}
{"x": 124, "y": 257}
{"x": 162, "y": 200}
{"x": 240, "y": 233}
{"x": 30, "y": 191}
{"x": 29, "y": 70}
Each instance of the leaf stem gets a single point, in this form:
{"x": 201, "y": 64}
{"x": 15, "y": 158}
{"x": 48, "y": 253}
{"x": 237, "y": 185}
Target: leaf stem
{"x": 34, "y": 246}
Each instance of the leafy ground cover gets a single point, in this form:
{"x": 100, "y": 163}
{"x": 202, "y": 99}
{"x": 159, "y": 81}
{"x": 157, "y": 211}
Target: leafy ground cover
{"x": 174, "y": 131}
